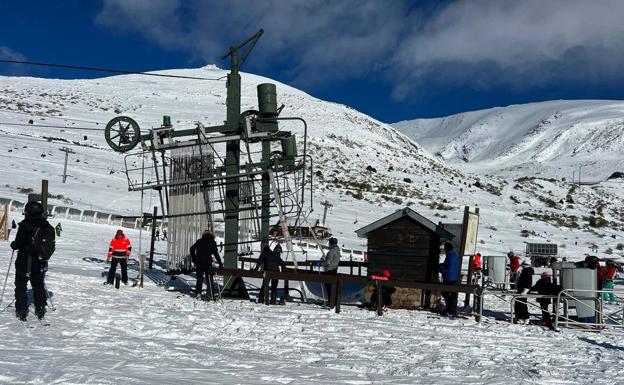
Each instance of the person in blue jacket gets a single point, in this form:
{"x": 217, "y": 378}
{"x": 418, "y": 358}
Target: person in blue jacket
{"x": 450, "y": 276}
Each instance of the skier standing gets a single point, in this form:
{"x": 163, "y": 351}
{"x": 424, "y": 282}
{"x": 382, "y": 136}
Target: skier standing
{"x": 546, "y": 286}
{"x": 201, "y": 255}
{"x": 119, "y": 251}
{"x": 58, "y": 228}
{"x": 157, "y": 233}
{"x": 331, "y": 261}
{"x": 610, "y": 274}
{"x": 164, "y": 233}
{"x": 524, "y": 284}
{"x": 271, "y": 261}
{"x": 514, "y": 266}
{"x": 13, "y": 226}
{"x": 31, "y": 262}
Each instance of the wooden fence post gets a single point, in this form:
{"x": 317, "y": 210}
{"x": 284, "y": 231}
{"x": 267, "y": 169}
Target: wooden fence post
{"x": 379, "y": 298}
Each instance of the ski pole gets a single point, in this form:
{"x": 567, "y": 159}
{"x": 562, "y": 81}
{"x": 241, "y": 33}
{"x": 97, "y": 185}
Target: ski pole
{"x": 49, "y": 297}
{"x": 7, "y": 277}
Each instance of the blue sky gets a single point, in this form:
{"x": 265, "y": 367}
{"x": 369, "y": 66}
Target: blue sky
{"x": 394, "y": 59}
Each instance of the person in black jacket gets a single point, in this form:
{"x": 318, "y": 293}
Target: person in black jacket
{"x": 523, "y": 285}
{"x": 201, "y": 255}
{"x": 270, "y": 261}
{"x": 29, "y": 266}
{"x": 545, "y": 285}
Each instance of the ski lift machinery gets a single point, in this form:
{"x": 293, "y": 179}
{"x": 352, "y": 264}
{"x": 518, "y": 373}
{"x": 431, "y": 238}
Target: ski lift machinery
{"x": 243, "y": 172}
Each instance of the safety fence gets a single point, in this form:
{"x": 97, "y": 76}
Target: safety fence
{"x": 336, "y": 283}
{"x": 581, "y": 300}
{"x": 114, "y": 219}
{"x": 75, "y": 214}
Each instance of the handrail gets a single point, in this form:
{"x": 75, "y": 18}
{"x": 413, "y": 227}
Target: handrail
{"x": 598, "y": 298}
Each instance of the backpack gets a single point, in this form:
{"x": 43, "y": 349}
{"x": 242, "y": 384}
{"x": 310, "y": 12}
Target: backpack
{"x": 43, "y": 244}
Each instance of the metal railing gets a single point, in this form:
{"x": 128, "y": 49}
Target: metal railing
{"x": 601, "y": 317}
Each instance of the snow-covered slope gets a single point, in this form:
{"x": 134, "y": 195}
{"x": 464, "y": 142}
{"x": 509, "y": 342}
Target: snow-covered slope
{"x": 342, "y": 141}
{"x": 365, "y": 168}
{"x": 551, "y": 139}
{"x": 99, "y": 335}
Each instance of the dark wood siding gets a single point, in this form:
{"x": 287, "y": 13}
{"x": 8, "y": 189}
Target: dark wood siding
{"x": 404, "y": 247}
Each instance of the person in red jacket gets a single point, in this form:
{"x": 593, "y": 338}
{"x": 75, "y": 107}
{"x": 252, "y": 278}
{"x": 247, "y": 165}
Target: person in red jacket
{"x": 514, "y": 266}
{"x": 610, "y": 274}
{"x": 119, "y": 251}
{"x": 477, "y": 261}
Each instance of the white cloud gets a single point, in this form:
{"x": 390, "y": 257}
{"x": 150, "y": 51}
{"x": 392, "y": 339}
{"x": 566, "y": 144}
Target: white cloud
{"x": 478, "y": 43}
{"x": 517, "y": 43}
{"x": 9, "y": 54}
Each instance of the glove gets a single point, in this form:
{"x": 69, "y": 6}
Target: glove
{"x": 13, "y": 245}
{"x": 318, "y": 263}
{"x": 525, "y": 291}
{"x": 108, "y": 258}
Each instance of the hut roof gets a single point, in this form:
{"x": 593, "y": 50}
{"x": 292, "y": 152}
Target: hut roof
{"x": 405, "y": 212}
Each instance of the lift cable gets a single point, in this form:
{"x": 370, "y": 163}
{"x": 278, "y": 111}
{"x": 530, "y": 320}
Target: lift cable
{"x": 51, "y": 126}
{"x": 111, "y": 70}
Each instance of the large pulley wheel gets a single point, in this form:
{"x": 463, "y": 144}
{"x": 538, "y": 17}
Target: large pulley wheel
{"x": 122, "y": 133}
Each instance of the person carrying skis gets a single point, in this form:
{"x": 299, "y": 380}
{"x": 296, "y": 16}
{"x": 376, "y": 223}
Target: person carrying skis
{"x": 450, "y": 275}
{"x": 331, "y": 261}
{"x": 119, "y": 250}
{"x": 34, "y": 243}
{"x": 58, "y": 228}
{"x": 201, "y": 256}
{"x": 524, "y": 284}
{"x": 270, "y": 261}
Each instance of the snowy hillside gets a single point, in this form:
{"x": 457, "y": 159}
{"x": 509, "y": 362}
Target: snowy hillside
{"x": 99, "y": 335}
{"x": 343, "y": 142}
{"x": 550, "y": 139}
{"x": 365, "y": 168}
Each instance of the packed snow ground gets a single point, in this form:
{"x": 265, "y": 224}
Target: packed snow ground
{"x": 99, "y": 335}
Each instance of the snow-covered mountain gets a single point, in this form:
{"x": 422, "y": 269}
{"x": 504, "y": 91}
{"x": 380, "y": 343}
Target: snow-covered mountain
{"x": 365, "y": 168}
{"x": 550, "y": 139}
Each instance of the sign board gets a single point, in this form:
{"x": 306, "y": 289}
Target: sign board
{"x": 541, "y": 249}
{"x": 470, "y": 233}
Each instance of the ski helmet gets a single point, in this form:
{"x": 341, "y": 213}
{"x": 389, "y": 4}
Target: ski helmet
{"x": 33, "y": 208}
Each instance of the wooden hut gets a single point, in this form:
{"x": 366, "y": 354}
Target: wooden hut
{"x": 407, "y": 244}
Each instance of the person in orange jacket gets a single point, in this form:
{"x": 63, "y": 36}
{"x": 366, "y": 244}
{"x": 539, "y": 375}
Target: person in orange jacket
{"x": 119, "y": 251}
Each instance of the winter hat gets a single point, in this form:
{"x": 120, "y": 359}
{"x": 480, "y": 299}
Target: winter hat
{"x": 510, "y": 254}
{"x": 278, "y": 248}
{"x": 119, "y": 232}
{"x": 386, "y": 273}
{"x": 525, "y": 264}
{"x": 33, "y": 208}
{"x": 546, "y": 274}
{"x": 333, "y": 241}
